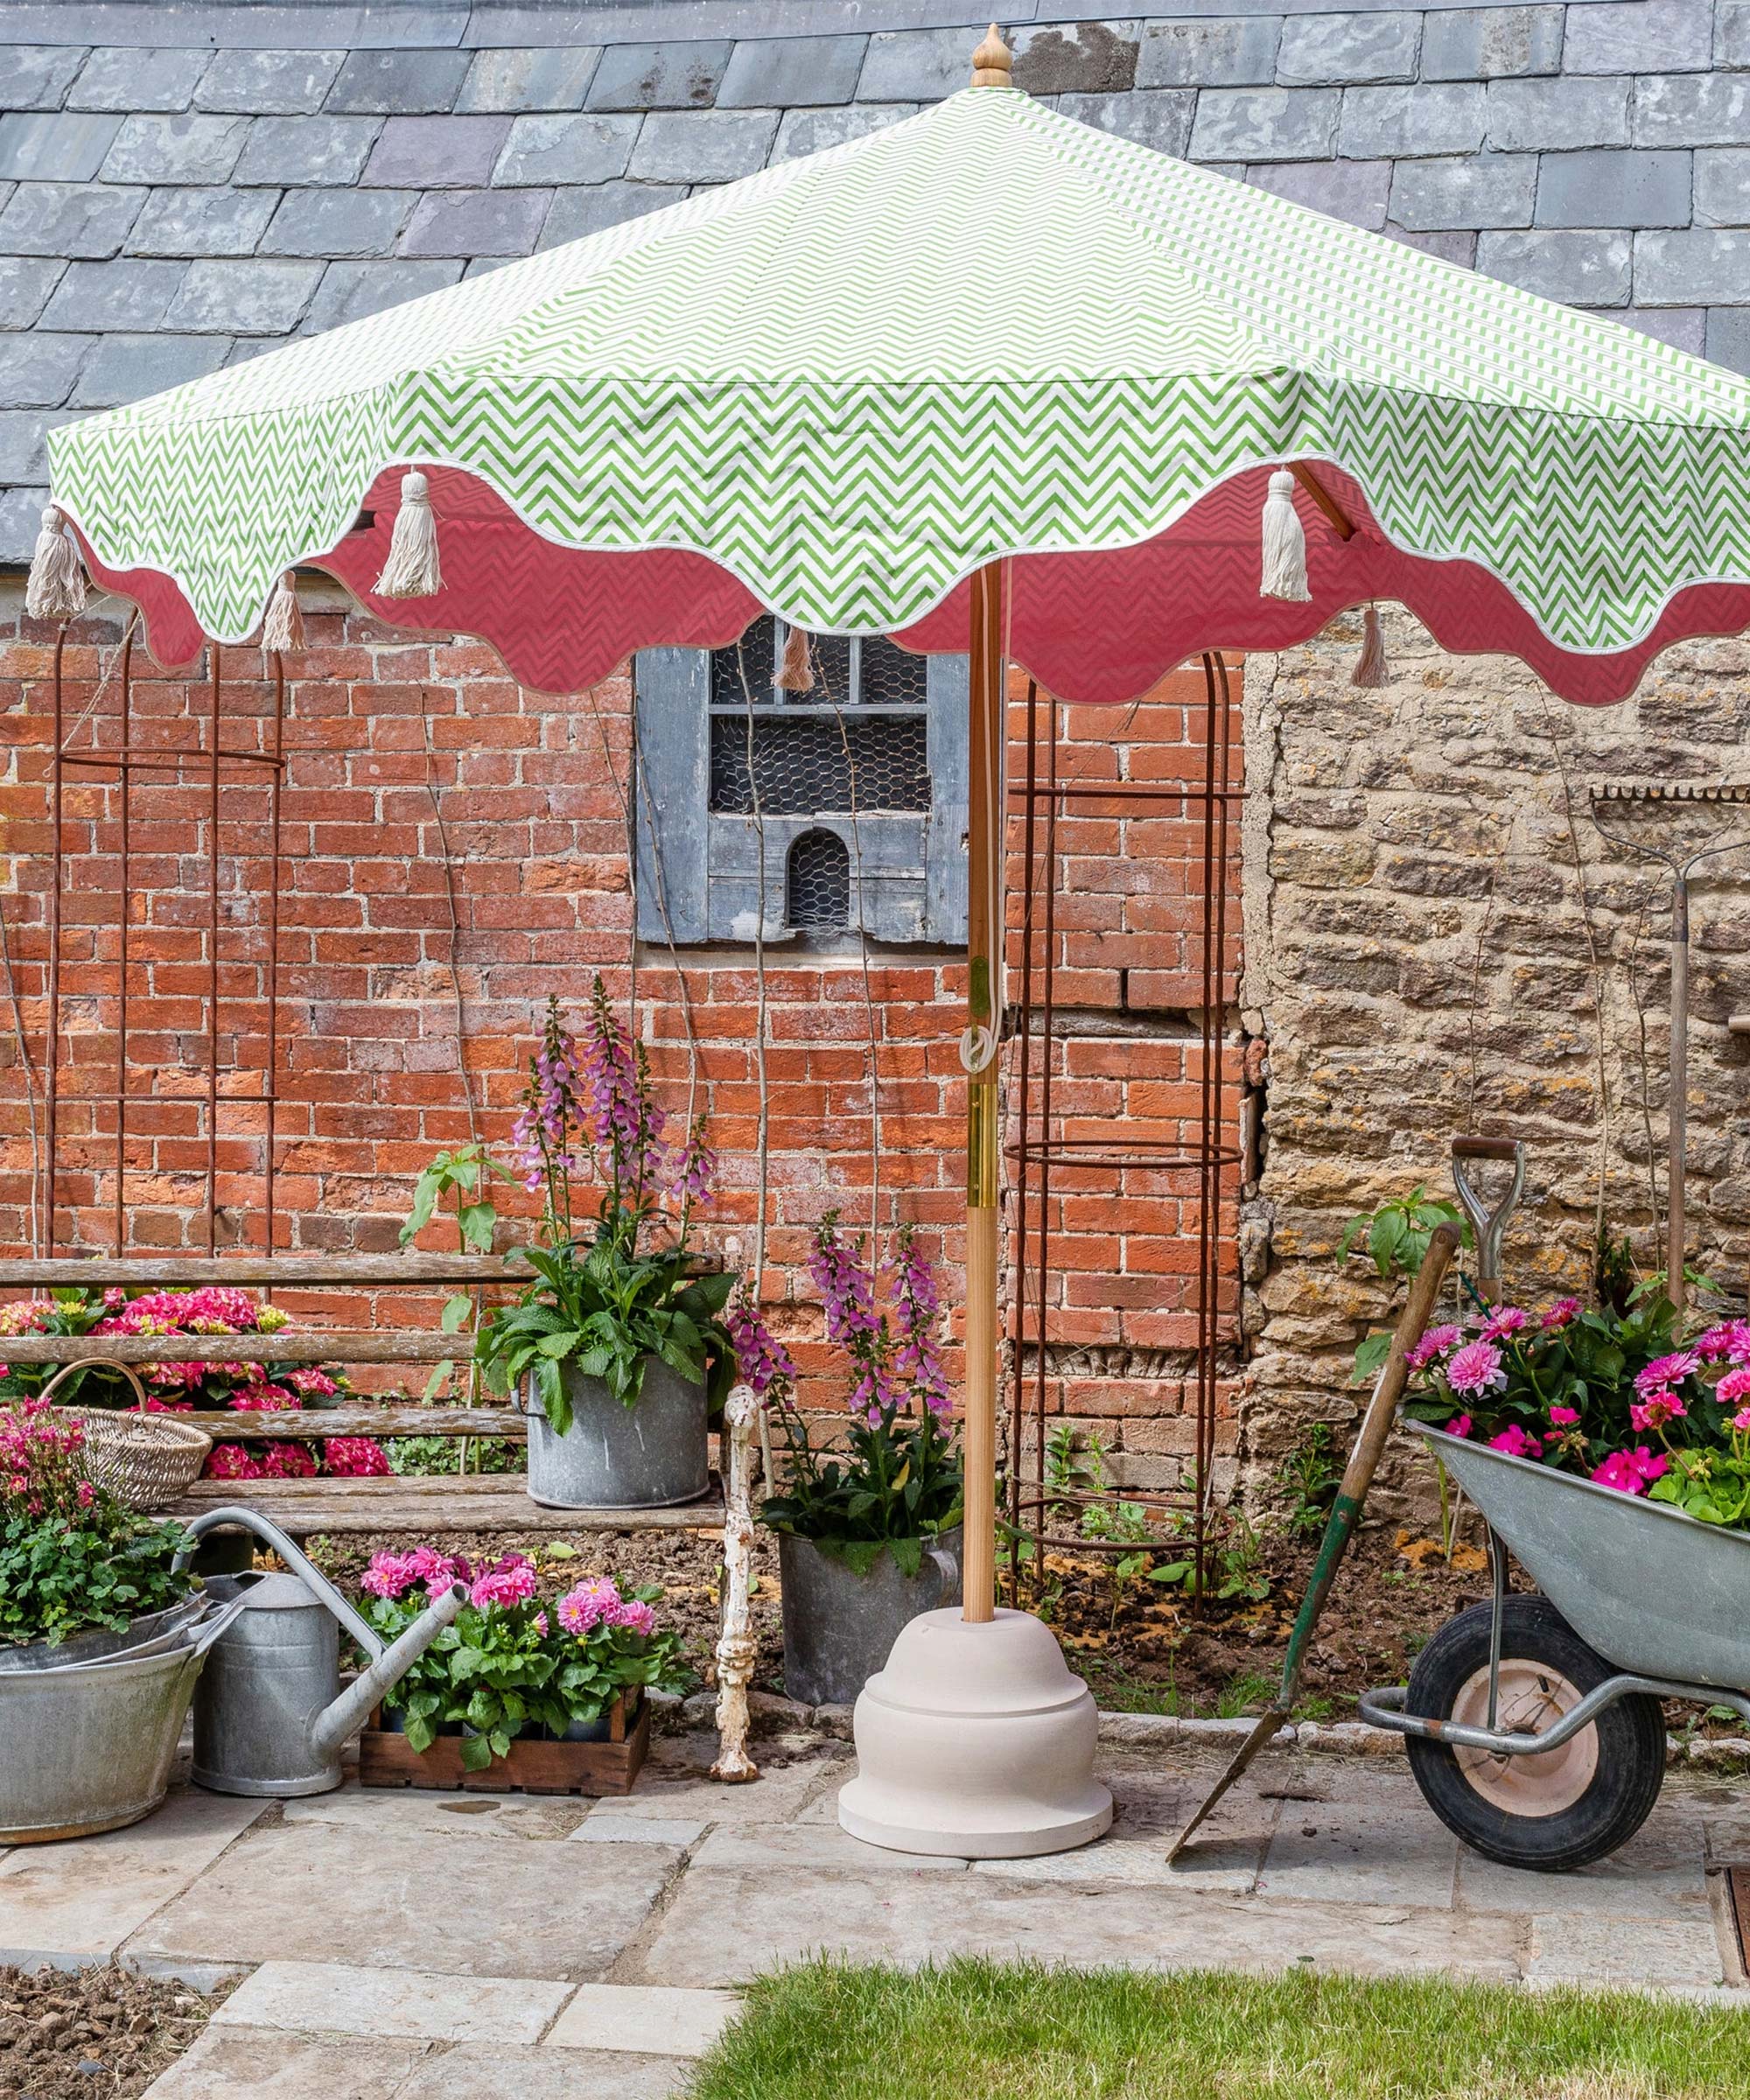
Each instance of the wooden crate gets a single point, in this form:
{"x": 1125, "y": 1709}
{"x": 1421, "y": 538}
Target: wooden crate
{"x": 387, "y": 1759}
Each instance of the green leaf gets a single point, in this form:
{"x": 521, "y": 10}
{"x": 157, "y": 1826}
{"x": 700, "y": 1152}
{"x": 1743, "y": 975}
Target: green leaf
{"x": 441, "y": 1372}
{"x": 478, "y": 1221}
{"x": 476, "y": 1753}
{"x": 456, "y": 1311}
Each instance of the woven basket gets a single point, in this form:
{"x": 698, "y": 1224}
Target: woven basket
{"x": 144, "y": 1460}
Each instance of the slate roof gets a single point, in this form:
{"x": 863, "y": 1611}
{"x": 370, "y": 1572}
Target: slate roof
{"x": 184, "y": 183}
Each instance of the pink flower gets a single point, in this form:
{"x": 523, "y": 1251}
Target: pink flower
{"x": 1476, "y": 1369}
{"x": 581, "y": 1610}
{"x": 231, "y": 1462}
{"x": 1564, "y": 1417}
{"x": 1734, "y": 1385}
{"x": 635, "y": 1616}
{"x": 1665, "y": 1370}
{"x": 512, "y": 1581}
{"x": 1620, "y": 1472}
{"x": 86, "y": 1493}
{"x": 355, "y": 1457}
{"x": 1649, "y": 1465}
{"x": 1741, "y": 1420}
{"x": 388, "y": 1575}
{"x": 1505, "y": 1320}
{"x": 1434, "y": 1343}
{"x": 1460, "y": 1425}
{"x": 437, "y": 1570}
{"x": 1655, "y": 1410}
{"x": 1561, "y": 1315}
{"x": 1730, "y": 1338}
{"x": 1514, "y": 1442}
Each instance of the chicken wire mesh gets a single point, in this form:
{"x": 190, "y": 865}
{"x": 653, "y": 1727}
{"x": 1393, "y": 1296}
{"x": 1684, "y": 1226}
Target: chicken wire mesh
{"x": 818, "y": 883}
{"x": 809, "y": 766}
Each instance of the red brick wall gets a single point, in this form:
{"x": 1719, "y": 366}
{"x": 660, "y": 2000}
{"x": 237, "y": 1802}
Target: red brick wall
{"x": 530, "y": 791}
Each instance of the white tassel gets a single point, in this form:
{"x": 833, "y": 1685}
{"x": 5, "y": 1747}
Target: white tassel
{"x": 411, "y": 569}
{"x": 56, "y": 587}
{"x": 282, "y": 629}
{"x": 1370, "y": 667}
{"x": 1285, "y": 544}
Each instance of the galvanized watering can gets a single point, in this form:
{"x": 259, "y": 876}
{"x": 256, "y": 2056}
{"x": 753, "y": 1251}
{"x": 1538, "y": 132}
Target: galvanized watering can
{"x": 270, "y": 1714}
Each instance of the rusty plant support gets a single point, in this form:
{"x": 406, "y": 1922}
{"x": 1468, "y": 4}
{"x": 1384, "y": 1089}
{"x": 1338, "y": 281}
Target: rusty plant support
{"x": 1040, "y": 1147}
{"x": 210, "y": 754}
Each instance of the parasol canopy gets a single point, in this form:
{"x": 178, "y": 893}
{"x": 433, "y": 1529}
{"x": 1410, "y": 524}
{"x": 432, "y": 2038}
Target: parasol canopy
{"x": 836, "y": 388}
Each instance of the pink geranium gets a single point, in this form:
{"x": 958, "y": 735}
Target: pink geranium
{"x": 1733, "y": 1386}
{"x": 1460, "y": 1425}
{"x": 1564, "y": 1417}
{"x": 1514, "y": 1442}
{"x": 1740, "y": 1421}
{"x": 1656, "y": 1409}
{"x": 1476, "y": 1369}
{"x": 1620, "y": 1472}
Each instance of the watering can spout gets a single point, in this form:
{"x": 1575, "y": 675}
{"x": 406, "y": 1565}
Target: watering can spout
{"x": 336, "y": 1722}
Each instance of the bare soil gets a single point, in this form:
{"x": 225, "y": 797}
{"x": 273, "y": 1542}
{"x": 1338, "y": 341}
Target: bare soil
{"x": 101, "y": 2034}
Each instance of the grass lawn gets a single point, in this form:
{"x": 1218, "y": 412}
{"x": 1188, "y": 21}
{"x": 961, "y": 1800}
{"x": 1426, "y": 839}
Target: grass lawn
{"x": 976, "y": 2030}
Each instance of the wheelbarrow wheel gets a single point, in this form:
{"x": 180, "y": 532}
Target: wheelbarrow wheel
{"x": 1560, "y": 1809}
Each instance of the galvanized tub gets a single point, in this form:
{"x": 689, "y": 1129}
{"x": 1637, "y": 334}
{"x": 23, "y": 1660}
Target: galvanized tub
{"x": 614, "y": 1457}
{"x": 840, "y": 1627}
{"x": 1653, "y": 1591}
{"x": 90, "y": 1746}
{"x": 99, "y": 1641}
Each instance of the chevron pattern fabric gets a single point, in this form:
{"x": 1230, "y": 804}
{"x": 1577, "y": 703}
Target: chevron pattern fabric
{"x": 850, "y": 379}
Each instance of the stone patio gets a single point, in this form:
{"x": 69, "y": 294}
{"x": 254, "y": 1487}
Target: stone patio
{"x": 461, "y": 1947}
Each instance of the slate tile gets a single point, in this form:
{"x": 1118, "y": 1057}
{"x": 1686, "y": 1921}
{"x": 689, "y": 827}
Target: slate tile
{"x": 791, "y": 73}
{"x": 804, "y": 131}
{"x": 579, "y": 212}
{"x": 129, "y": 79}
{"x": 705, "y": 145}
{"x": 126, "y": 293}
{"x": 126, "y": 367}
{"x": 25, "y": 283}
{"x": 176, "y": 149}
{"x": 477, "y": 222}
{"x": 584, "y": 149}
{"x": 62, "y": 145}
{"x": 334, "y": 224}
{"x": 437, "y": 152}
{"x": 399, "y": 83}
{"x": 210, "y": 220}
{"x": 351, "y": 290}
{"x": 38, "y": 367}
{"x": 557, "y": 77}
{"x": 255, "y": 297}
{"x": 39, "y": 75}
{"x": 268, "y": 83}
{"x": 326, "y": 153}
{"x": 83, "y": 221}
{"x": 657, "y": 76}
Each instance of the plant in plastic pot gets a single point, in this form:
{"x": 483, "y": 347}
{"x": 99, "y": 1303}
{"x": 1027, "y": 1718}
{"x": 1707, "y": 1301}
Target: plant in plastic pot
{"x": 618, "y": 1344}
{"x": 868, "y": 1533}
{"x": 513, "y": 1665}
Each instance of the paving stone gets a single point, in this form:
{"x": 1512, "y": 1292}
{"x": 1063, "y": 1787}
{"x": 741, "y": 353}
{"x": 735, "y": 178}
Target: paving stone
{"x": 1157, "y": 117}
{"x": 319, "y": 152}
{"x": 643, "y": 2020}
{"x": 176, "y": 149}
{"x": 506, "y": 1817}
{"x": 1615, "y": 189}
{"x": 812, "y": 1844}
{"x": 579, "y": 149}
{"x": 1235, "y": 51}
{"x": 1640, "y": 36}
{"x": 477, "y": 222}
{"x": 228, "y": 2063}
{"x": 330, "y": 1997}
{"x": 578, "y": 213}
{"x": 126, "y": 367}
{"x": 255, "y": 297}
{"x": 1355, "y": 191}
{"x": 25, "y": 283}
{"x": 603, "y": 1827}
{"x": 1266, "y": 123}
{"x": 784, "y": 1919}
{"x": 39, "y": 75}
{"x": 1727, "y": 341}
{"x": 1073, "y": 58}
{"x": 37, "y": 369}
{"x": 1693, "y": 268}
{"x": 86, "y": 1899}
{"x": 1564, "y": 115}
{"x": 1579, "y": 269}
{"x": 1320, "y": 50}
{"x": 351, "y": 290}
{"x": 132, "y": 79}
{"x": 314, "y": 1893}
{"x": 399, "y": 83}
{"x": 1466, "y": 190}
{"x": 1571, "y": 1947}
{"x": 268, "y": 83}
{"x": 337, "y": 222}
{"x": 657, "y": 76}
{"x": 1490, "y": 42}
{"x": 1445, "y": 117}
{"x": 1387, "y": 1849}
{"x": 81, "y": 221}
{"x": 122, "y": 294}
{"x": 61, "y": 145}
{"x": 210, "y": 220}
{"x": 791, "y": 73}
{"x": 437, "y": 152}
{"x": 555, "y": 77}
{"x": 675, "y": 1785}
{"x": 485, "y": 2073}
{"x": 801, "y": 132}
{"x": 705, "y": 145}
{"x": 1722, "y": 187}
{"x": 1657, "y": 1874}
{"x": 1691, "y": 109}
{"x": 916, "y": 65}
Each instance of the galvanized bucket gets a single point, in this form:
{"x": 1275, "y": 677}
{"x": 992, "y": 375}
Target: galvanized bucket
{"x": 614, "y": 1457}
{"x": 1653, "y": 1591}
{"x": 840, "y": 1627}
{"x": 99, "y": 1641}
{"x": 90, "y": 1746}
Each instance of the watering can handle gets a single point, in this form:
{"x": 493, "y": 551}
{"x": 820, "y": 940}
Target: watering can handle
{"x": 270, "y": 1535}
{"x": 1487, "y": 1225}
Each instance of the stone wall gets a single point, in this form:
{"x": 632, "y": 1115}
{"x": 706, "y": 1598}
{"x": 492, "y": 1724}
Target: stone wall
{"x": 1439, "y": 940}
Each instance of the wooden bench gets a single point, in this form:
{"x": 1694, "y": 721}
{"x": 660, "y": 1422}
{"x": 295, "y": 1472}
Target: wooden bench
{"x": 442, "y": 1502}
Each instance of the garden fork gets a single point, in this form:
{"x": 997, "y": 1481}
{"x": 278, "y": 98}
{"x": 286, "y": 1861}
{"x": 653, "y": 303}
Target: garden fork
{"x": 1345, "y": 1511}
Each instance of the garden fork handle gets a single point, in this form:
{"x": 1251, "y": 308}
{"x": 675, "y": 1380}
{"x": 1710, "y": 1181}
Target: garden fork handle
{"x": 1489, "y": 1226}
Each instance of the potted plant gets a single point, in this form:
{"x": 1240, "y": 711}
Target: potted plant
{"x": 514, "y": 1673}
{"x": 618, "y": 1344}
{"x": 868, "y": 1538}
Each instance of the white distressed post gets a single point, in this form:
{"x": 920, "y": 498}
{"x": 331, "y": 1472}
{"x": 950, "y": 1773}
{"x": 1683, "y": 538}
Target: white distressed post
{"x": 737, "y": 1650}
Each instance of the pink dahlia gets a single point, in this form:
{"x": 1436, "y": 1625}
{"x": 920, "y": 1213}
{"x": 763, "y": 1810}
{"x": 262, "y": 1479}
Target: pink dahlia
{"x": 581, "y": 1610}
{"x": 1665, "y": 1370}
{"x": 1434, "y": 1343}
{"x": 1505, "y": 1320}
{"x": 388, "y": 1575}
{"x": 1561, "y": 1315}
{"x": 635, "y": 1616}
{"x": 512, "y": 1581}
{"x": 1476, "y": 1369}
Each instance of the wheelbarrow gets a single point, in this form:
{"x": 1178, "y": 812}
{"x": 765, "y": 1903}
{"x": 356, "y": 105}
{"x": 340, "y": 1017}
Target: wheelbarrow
{"x": 1533, "y": 1723}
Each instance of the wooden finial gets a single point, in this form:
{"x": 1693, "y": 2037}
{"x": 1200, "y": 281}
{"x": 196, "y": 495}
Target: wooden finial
{"x": 992, "y": 62}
